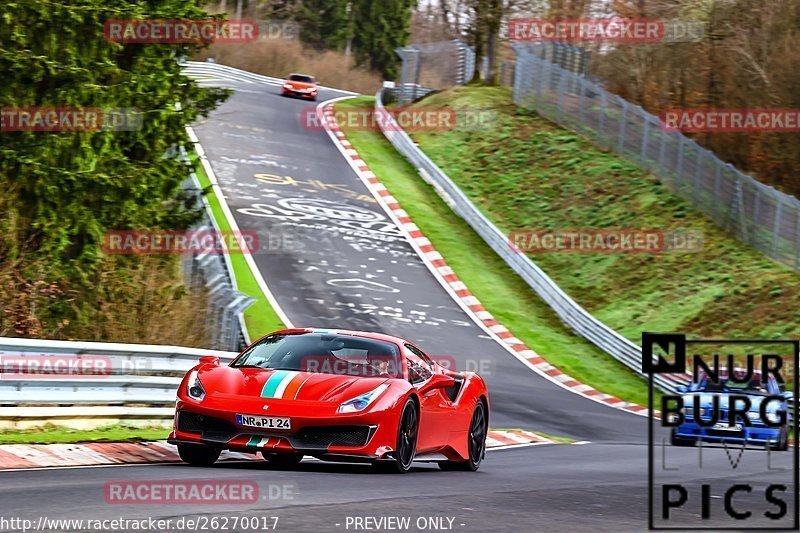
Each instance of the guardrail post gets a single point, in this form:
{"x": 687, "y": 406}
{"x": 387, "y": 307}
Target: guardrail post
{"x": 623, "y": 127}
{"x": 679, "y": 168}
{"x": 776, "y": 228}
{"x": 697, "y": 163}
{"x": 717, "y": 189}
{"x": 645, "y": 141}
{"x": 797, "y": 241}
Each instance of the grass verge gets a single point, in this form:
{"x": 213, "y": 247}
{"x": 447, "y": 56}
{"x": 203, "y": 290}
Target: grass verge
{"x": 260, "y": 317}
{"x": 498, "y": 288}
{"x": 53, "y": 434}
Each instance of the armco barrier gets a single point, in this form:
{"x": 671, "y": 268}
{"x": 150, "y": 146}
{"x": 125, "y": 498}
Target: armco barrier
{"x": 572, "y": 314}
{"x": 214, "y": 71}
{"x": 127, "y": 381}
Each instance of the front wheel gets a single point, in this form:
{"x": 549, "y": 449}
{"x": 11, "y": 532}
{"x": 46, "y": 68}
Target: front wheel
{"x": 477, "y": 443}
{"x": 198, "y": 454}
{"x": 406, "y": 447}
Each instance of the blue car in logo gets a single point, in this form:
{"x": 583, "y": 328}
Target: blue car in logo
{"x": 754, "y": 431}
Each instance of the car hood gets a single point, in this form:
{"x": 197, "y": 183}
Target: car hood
{"x": 706, "y": 401}
{"x": 300, "y": 84}
{"x": 285, "y": 384}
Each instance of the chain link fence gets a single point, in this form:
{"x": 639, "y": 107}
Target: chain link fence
{"x": 433, "y": 66}
{"x": 758, "y": 214}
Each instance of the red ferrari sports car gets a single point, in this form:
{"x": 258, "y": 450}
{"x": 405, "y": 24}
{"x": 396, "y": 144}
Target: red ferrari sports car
{"x": 335, "y": 395}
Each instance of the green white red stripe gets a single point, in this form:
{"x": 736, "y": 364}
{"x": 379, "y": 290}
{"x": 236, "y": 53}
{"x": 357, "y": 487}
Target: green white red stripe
{"x": 283, "y": 384}
{"x": 258, "y": 442}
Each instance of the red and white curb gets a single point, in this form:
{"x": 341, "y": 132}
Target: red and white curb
{"x": 28, "y": 456}
{"x": 508, "y": 437}
{"x": 450, "y": 280}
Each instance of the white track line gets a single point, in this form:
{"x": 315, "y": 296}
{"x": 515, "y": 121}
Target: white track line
{"x": 248, "y": 256}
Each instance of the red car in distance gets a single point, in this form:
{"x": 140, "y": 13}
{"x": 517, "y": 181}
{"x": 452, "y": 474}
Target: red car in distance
{"x": 300, "y": 85}
{"x": 335, "y": 395}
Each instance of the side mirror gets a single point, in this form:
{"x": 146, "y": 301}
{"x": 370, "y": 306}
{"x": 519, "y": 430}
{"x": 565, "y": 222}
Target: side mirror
{"x": 209, "y": 360}
{"x": 437, "y": 381}
{"x": 682, "y": 388}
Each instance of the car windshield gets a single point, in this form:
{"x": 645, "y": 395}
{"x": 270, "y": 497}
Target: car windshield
{"x": 324, "y": 354}
{"x": 301, "y": 78}
{"x": 754, "y": 386}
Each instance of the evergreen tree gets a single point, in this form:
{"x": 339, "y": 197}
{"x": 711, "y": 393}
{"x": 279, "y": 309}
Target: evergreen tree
{"x": 69, "y": 188}
{"x": 380, "y": 28}
{"x": 323, "y": 23}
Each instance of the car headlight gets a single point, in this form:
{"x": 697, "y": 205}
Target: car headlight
{"x": 194, "y": 388}
{"x": 287, "y": 86}
{"x": 359, "y": 403}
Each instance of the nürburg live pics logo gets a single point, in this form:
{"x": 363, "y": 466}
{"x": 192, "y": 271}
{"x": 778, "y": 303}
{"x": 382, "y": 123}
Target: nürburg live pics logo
{"x": 722, "y": 452}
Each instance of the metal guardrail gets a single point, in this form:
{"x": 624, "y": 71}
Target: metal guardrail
{"x": 205, "y": 71}
{"x": 214, "y": 272}
{"x": 572, "y": 314}
{"x": 200, "y": 70}
{"x": 119, "y": 380}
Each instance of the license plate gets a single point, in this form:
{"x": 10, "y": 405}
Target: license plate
{"x": 723, "y": 426}
{"x": 264, "y": 422}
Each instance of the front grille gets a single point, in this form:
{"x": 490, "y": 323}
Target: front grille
{"x": 322, "y": 437}
{"x": 208, "y": 426}
{"x": 723, "y": 433}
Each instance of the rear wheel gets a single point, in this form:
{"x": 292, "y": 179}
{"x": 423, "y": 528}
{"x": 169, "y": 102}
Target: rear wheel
{"x": 477, "y": 442}
{"x": 198, "y": 454}
{"x": 283, "y": 460}
{"x": 675, "y": 440}
{"x": 406, "y": 447}
{"x": 783, "y": 441}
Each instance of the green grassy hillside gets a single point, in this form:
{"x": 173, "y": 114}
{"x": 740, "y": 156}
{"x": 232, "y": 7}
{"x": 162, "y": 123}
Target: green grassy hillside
{"x": 526, "y": 173}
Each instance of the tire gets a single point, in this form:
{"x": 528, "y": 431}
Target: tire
{"x": 675, "y": 440}
{"x": 283, "y": 460}
{"x": 198, "y": 455}
{"x": 476, "y": 436}
{"x": 406, "y": 447}
{"x": 783, "y": 442}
